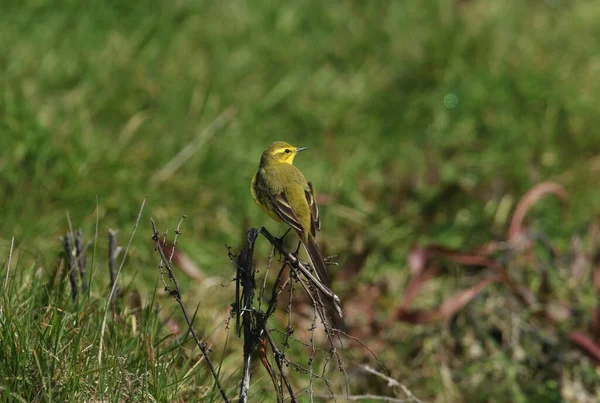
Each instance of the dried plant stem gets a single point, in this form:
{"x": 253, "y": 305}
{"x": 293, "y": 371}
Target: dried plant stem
{"x": 245, "y": 278}
{"x": 67, "y": 242}
{"x": 391, "y": 382}
{"x": 313, "y": 326}
{"x": 308, "y": 282}
{"x": 80, "y": 251}
{"x": 365, "y": 397}
{"x": 276, "y": 291}
{"x": 176, "y": 293}
{"x": 279, "y": 359}
{"x": 113, "y": 253}
{"x": 254, "y": 320}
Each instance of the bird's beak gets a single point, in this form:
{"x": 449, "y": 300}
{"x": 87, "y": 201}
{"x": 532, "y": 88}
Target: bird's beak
{"x": 298, "y": 149}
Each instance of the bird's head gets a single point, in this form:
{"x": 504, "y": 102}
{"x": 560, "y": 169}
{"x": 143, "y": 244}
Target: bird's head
{"x": 281, "y": 152}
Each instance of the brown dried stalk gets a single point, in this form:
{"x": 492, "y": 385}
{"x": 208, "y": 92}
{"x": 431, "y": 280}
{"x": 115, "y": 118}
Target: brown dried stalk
{"x": 176, "y": 293}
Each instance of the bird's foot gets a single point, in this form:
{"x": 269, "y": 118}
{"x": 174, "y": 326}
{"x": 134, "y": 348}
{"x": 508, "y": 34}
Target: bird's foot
{"x": 283, "y": 236}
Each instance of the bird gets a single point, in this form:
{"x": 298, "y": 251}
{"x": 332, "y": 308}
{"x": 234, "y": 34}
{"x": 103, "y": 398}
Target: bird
{"x": 281, "y": 190}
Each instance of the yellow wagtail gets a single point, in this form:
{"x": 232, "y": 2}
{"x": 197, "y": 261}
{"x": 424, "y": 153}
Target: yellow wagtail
{"x": 285, "y": 195}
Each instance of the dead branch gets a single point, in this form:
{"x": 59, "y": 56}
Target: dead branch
{"x": 391, "y": 382}
{"x": 245, "y": 278}
{"x": 254, "y": 319}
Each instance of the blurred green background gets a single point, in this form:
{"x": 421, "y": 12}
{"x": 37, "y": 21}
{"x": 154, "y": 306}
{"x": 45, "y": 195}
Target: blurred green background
{"x": 425, "y": 120}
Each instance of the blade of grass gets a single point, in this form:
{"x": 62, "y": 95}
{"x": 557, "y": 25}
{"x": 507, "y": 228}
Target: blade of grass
{"x": 10, "y": 253}
{"x": 112, "y": 290}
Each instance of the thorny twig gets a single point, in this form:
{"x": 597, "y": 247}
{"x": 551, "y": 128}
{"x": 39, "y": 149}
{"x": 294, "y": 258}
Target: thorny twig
{"x": 245, "y": 278}
{"x": 277, "y": 290}
{"x": 257, "y": 333}
{"x": 296, "y": 264}
{"x": 366, "y": 397}
{"x": 329, "y": 332}
{"x": 289, "y": 330}
{"x": 255, "y": 319}
{"x": 313, "y": 326}
{"x": 391, "y": 382}
{"x": 176, "y": 293}
{"x": 298, "y": 367}
{"x": 279, "y": 356}
{"x": 264, "y": 284}
{"x": 294, "y": 339}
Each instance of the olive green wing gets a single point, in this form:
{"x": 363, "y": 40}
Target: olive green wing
{"x": 315, "y": 224}
{"x": 284, "y": 210}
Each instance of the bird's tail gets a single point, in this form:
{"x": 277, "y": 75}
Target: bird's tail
{"x": 318, "y": 263}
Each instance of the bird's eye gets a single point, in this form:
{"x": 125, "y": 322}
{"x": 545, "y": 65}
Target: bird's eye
{"x": 287, "y": 151}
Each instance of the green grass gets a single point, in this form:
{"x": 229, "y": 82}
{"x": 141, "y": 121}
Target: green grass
{"x": 54, "y": 350}
{"x": 425, "y": 121}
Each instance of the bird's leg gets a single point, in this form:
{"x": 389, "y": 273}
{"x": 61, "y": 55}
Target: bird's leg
{"x": 283, "y": 236}
{"x": 280, "y": 239}
{"x": 297, "y": 249}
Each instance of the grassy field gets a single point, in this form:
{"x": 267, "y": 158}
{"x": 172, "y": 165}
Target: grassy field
{"x": 425, "y": 121}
